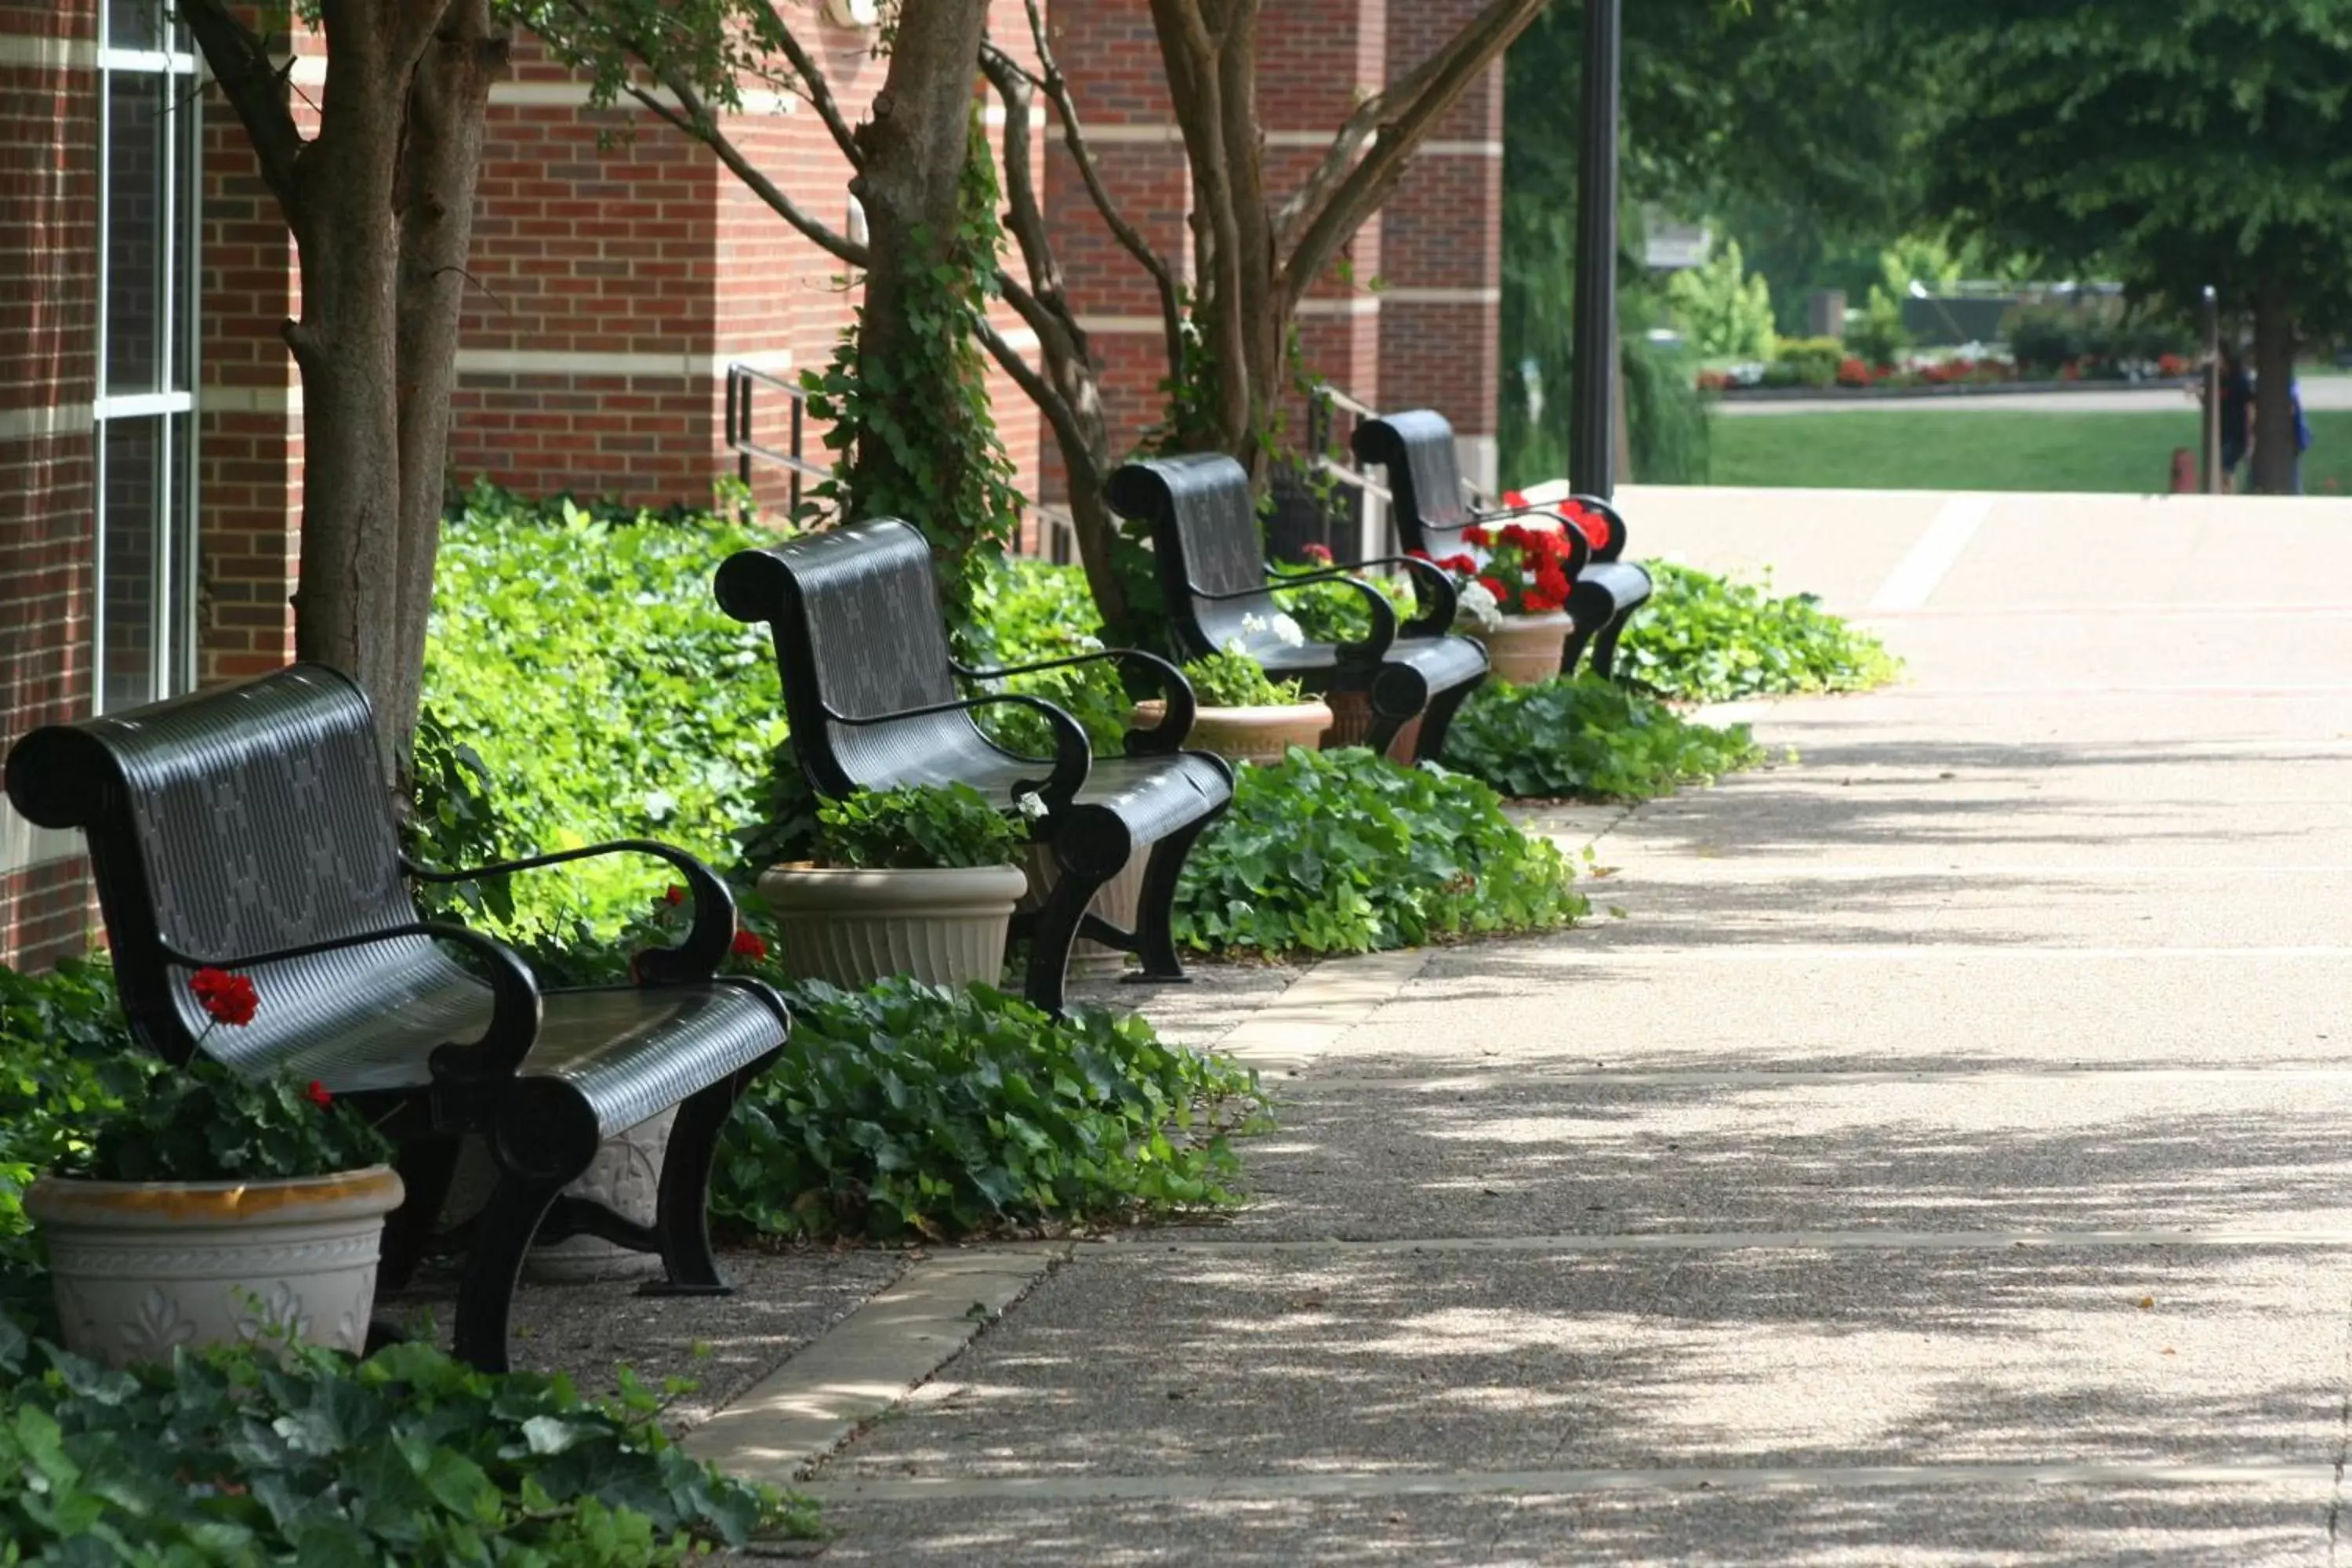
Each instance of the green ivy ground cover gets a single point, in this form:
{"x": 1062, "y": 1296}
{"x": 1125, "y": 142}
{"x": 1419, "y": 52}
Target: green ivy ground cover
{"x": 408, "y": 1457}
{"x": 583, "y": 660}
{"x": 1588, "y": 736}
{"x": 1705, "y": 638}
{"x": 1345, "y": 852}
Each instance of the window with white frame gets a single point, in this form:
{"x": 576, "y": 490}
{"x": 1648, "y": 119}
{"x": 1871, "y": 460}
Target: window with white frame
{"x": 149, "y": 108}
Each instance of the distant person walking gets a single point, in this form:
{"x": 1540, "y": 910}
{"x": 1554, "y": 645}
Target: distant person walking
{"x": 2302, "y": 430}
{"x": 2237, "y": 416}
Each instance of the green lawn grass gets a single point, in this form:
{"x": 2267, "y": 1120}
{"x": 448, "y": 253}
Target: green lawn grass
{"x": 1939, "y": 449}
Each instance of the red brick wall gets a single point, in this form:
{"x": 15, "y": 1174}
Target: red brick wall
{"x": 1441, "y": 255}
{"x": 49, "y": 182}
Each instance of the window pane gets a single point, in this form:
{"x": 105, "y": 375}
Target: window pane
{"x": 134, "y": 201}
{"x": 134, "y": 24}
{"x": 180, "y": 608}
{"x": 185, "y": 199}
{"x": 133, "y": 455}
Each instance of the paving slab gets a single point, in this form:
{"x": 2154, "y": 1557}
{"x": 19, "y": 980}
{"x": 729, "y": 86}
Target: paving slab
{"x": 1391, "y": 1150}
{"x": 1754, "y": 1006}
{"x": 1213, "y": 1361}
{"x": 2254, "y": 1522}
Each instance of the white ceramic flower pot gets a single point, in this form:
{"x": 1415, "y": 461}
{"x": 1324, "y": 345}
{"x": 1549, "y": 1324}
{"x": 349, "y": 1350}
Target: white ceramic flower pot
{"x": 853, "y": 928}
{"x": 143, "y": 1267}
{"x": 1118, "y": 901}
{"x": 1524, "y": 650}
{"x": 1257, "y": 734}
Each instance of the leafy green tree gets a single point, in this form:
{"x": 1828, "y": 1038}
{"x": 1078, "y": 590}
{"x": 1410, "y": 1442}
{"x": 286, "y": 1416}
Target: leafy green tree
{"x": 1723, "y": 309}
{"x": 2176, "y": 143}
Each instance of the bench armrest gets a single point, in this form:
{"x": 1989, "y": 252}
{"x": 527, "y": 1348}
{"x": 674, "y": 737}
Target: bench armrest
{"x": 1442, "y": 599}
{"x": 1074, "y": 754}
{"x": 514, "y": 993}
{"x": 707, "y": 941}
{"x": 1372, "y": 649}
{"x": 1163, "y": 739}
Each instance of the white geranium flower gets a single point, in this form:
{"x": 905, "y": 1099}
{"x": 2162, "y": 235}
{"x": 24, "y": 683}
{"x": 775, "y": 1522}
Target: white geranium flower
{"x": 1029, "y": 804}
{"x": 1473, "y": 607}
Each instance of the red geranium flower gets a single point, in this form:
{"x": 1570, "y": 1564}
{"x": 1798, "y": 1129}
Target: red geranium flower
{"x": 317, "y": 1095}
{"x": 1552, "y": 582}
{"x": 229, "y": 998}
{"x": 674, "y": 894}
{"x": 748, "y": 945}
{"x": 1319, "y": 554}
{"x": 1460, "y": 563}
{"x": 1500, "y": 593}
{"x": 1514, "y": 499}
{"x": 1516, "y": 536}
{"x": 1477, "y": 535}
{"x": 1539, "y": 603}
{"x": 1417, "y": 555}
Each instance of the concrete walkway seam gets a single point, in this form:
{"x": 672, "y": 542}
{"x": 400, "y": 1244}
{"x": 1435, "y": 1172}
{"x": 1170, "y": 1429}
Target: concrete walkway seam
{"x": 1918, "y": 575}
{"x": 2318, "y": 1238}
{"x": 1481, "y": 1483}
{"x": 866, "y": 1363}
{"x": 1307, "y": 1019}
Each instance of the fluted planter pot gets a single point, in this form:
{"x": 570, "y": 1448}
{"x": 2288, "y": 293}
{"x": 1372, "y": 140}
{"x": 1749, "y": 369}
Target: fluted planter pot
{"x": 853, "y": 928}
{"x": 1118, "y": 901}
{"x": 140, "y": 1268}
{"x": 1524, "y": 649}
{"x": 1256, "y": 734}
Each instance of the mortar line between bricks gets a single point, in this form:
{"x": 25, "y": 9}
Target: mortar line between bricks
{"x": 1540, "y": 1483}
{"x": 1146, "y": 1246}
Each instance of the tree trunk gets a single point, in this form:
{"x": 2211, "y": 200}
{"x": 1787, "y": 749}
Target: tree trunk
{"x": 379, "y": 202}
{"x": 2274, "y": 453}
{"x": 443, "y": 159}
{"x": 347, "y": 344}
{"x": 915, "y": 149}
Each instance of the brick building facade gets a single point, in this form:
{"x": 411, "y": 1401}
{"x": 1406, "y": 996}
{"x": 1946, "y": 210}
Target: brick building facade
{"x": 151, "y": 420}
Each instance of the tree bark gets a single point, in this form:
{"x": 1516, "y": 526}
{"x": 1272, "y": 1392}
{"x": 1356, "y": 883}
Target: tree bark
{"x": 913, "y": 151}
{"x": 380, "y": 204}
{"x": 435, "y": 211}
{"x": 346, "y": 609}
{"x": 2274, "y": 453}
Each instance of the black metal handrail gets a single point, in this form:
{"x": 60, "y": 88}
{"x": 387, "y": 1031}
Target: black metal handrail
{"x": 740, "y": 380}
{"x": 1323, "y": 405}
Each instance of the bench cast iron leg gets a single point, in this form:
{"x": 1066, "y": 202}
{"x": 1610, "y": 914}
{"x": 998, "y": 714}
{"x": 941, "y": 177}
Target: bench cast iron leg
{"x": 426, "y": 1165}
{"x": 501, "y": 1236}
{"x": 1574, "y": 647}
{"x": 1156, "y": 908}
{"x": 682, "y": 1212}
{"x": 1604, "y": 647}
{"x": 1435, "y": 720}
{"x": 1052, "y": 935}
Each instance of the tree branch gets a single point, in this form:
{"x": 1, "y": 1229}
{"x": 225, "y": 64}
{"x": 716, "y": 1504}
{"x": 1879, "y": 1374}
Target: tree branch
{"x": 254, "y": 88}
{"x": 1057, "y": 408}
{"x": 819, "y": 93}
{"x": 1361, "y": 124}
{"x": 1058, "y": 89}
{"x": 692, "y": 115}
{"x": 1443, "y": 80}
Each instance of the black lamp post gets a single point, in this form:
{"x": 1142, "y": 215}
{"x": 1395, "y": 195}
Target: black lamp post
{"x": 1592, "y": 444}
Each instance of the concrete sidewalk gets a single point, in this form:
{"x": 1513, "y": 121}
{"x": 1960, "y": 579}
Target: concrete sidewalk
{"x": 1944, "y": 1161}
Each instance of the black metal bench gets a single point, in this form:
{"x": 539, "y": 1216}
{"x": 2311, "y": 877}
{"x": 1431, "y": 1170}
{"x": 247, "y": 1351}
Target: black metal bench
{"x": 870, "y": 691}
{"x": 1433, "y": 508}
{"x": 1211, "y": 558}
{"x": 249, "y": 828}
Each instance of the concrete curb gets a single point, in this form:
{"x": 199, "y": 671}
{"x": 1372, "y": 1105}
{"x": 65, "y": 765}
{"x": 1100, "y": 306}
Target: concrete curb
{"x": 866, "y": 1363}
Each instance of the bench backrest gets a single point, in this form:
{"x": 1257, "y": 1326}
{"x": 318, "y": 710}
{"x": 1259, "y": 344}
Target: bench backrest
{"x": 1204, "y": 536}
{"x": 240, "y": 820}
{"x": 1424, "y": 475}
{"x": 854, "y": 613}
